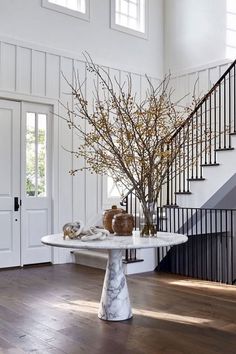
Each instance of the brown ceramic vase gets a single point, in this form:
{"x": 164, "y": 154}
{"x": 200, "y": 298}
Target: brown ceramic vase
{"x": 108, "y": 216}
{"x": 123, "y": 224}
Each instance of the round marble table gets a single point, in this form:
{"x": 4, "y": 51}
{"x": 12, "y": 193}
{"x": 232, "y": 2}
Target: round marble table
{"x": 115, "y": 302}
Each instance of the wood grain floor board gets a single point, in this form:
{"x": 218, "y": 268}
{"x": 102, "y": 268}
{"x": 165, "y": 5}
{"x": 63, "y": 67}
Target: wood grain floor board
{"x": 53, "y": 309}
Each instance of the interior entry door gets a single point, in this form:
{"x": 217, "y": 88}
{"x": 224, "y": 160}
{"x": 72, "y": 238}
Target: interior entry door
{"x": 35, "y": 182}
{"x": 9, "y": 184}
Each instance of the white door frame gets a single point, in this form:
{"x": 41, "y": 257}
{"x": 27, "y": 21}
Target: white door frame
{"x": 36, "y": 207}
{"x": 58, "y": 255}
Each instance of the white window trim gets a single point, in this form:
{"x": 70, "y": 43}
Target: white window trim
{"x": 108, "y": 201}
{"x": 127, "y": 30}
{"x": 83, "y": 16}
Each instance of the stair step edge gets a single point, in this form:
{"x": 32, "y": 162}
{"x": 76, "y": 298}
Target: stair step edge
{"x": 224, "y": 149}
{"x": 210, "y": 164}
{"x": 180, "y": 193}
{"x": 195, "y": 179}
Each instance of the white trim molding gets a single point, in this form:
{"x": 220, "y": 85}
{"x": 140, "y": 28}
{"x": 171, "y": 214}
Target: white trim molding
{"x": 67, "y": 11}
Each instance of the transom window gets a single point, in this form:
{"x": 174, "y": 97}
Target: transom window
{"x": 76, "y": 8}
{"x": 76, "y": 5}
{"x": 129, "y": 15}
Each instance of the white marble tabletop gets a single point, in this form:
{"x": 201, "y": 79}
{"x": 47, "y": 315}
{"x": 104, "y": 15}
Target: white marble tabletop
{"x": 117, "y": 242}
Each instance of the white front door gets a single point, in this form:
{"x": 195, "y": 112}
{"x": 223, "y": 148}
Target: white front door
{"x": 25, "y": 183}
{"x": 35, "y": 182}
{"x": 9, "y": 184}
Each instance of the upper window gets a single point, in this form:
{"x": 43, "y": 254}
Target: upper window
{"x": 129, "y": 16}
{"x": 76, "y": 8}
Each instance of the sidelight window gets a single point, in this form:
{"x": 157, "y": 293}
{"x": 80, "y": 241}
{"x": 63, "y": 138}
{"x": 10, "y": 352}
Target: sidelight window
{"x": 36, "y": 154}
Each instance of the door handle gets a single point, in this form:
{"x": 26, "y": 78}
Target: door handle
{"x": 16, "y": 204}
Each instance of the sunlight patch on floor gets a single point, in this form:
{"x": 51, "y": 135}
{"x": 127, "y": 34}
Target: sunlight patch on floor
{"x": 171, "y": 317}
{"x": 78, "y": 306}
{"x": 204, "y": 285}
{"x": 92, "y": 307}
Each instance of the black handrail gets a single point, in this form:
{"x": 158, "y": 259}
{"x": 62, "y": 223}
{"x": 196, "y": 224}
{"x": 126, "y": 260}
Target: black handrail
{"x": 213, "y": 113}
{"x": 205, "y": 97}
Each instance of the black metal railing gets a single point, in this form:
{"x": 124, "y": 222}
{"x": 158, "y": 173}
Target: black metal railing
{"x": 209, "y": 253}
{"x": 207, "y": 130}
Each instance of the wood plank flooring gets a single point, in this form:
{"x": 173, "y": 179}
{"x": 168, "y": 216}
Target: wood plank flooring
{"x": 53, "y": 309}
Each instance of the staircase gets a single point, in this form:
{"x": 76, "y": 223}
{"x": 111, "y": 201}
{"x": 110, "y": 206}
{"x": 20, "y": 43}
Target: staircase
{"x": 207, "y": 184}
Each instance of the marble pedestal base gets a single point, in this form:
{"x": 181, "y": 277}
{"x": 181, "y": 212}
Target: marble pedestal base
{"x": 115, "y": 303}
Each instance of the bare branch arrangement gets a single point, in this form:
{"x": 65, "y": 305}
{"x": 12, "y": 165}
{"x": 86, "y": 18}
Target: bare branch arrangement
{"x": 130, "y": 140}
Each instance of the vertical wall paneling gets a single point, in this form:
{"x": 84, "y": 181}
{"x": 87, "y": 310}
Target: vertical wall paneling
{"x": 107, "y": 201}
{"x": 143, "y": 87}
{"x": 193, "y": 86}
{"x": 38, "y": 73}
{"x": 52, "y": 75}
{"x": 203, "y": 82}
{"x": 23, "y": 70}
{"x": 91, "y": 179}
{"x": 8, "y": 67}
{"x": 213, "y": 75}
{"x": 65, "y": 138}
{"x": 79, "y": 180}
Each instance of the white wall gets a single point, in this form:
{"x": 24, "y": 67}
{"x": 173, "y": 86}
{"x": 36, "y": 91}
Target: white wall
{"x": 30, "y": 74}
{"x": 201, "y": 79}
{"x": 27, "y": 20}
{"x": 195, "y": 33}
{"x": 36, "y": 44}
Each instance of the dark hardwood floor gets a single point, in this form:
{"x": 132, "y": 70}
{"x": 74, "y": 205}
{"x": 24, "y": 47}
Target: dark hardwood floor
{"x": 53, "y": 309}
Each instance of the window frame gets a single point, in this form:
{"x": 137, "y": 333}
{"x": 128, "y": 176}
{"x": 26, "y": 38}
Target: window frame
{"x": 127, "y": 30}
{"x": 108, "y": 201}
{"x": 64, "y": 10}
{"x": 37, "y": 113}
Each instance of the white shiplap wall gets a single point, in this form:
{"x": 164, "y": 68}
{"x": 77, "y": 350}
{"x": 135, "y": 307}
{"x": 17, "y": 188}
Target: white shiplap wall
{"x": 203, "y": 78}
{"x": 30, "y": 73}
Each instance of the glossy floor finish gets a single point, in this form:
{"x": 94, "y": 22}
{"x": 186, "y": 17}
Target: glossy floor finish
{"x": 53, "y": 309}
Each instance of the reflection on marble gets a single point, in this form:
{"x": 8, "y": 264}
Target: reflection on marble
{"x": 115, "y": 303}
{"x": 117, "y": 242}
